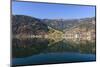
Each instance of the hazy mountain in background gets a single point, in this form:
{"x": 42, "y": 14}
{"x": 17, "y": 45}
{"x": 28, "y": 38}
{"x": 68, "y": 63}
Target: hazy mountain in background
{"x": 61, "y": 24}
{"x": 88, "y": 23}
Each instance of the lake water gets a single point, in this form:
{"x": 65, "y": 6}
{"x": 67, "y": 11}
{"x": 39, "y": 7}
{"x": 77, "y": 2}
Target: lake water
{"x": 54, "y": 58}
{"x": 43, "y": 51}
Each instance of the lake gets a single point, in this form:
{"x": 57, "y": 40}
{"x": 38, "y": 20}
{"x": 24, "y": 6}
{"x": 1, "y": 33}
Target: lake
{"x": 54, "y": 58}
{"x": 42, "y": 51}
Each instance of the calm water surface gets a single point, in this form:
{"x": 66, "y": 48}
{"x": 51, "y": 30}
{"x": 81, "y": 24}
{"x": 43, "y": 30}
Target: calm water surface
{"x": 43, "y": 51}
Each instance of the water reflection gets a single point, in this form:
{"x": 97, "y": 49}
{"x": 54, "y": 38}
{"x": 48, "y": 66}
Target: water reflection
{"x": 33, "y": 46}
{"x": 28, "y": 47}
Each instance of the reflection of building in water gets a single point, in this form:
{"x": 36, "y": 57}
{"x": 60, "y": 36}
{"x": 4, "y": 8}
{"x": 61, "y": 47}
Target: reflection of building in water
{"x": 80, "y": 34}
{"x": 91, "y": 35}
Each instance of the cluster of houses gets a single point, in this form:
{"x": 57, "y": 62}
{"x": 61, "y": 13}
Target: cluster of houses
{"x": 80, "y": 34}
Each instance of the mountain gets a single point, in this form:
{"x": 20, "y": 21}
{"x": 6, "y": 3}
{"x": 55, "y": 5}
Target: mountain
{"x": 87, "y": 23}
{"x": 22, "y": 24}
{"x": 62, "y": 24}
{"x": 51, "y": 28}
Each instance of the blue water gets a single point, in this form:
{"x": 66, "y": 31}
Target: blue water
{"x": 54, "y": 58}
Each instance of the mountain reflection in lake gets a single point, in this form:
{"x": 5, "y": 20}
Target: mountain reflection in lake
{"x": 35, "y": 46}
{"x": 43, "y": 51}
{"x": 28, "y": 47}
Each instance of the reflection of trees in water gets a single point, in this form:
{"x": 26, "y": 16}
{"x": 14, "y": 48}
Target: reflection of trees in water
{"x": 62, "y": 47}
{"x": 69, "y": 46}
{"x": 88, "y": 47}
{"x": 28, "y": 47}
{"x": 84, "y": 46}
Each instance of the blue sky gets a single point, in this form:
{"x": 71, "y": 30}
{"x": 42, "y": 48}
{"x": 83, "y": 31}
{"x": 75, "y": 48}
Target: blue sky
{"x": 52, "y": 11}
